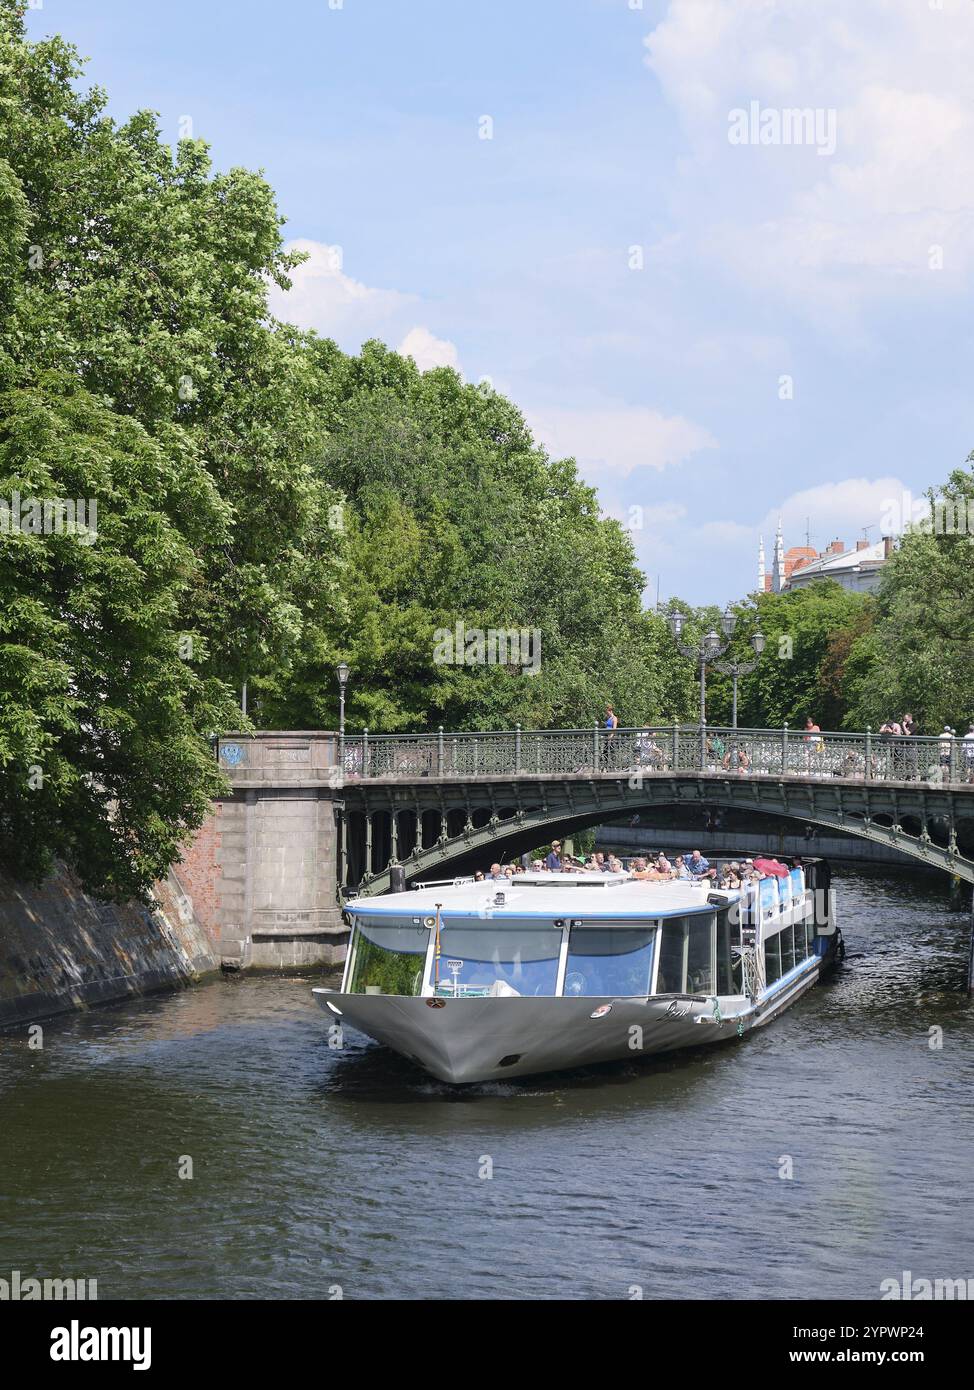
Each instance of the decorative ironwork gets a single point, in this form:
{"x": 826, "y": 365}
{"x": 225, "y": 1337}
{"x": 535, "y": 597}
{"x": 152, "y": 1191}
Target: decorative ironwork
{"x": 859, "y": 757}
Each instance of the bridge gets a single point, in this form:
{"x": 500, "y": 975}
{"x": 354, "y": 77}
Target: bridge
{"x": 312, "y": 816}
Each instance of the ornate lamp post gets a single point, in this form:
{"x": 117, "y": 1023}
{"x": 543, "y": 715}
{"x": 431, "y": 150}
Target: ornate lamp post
{"x": 736, "y": 669}
{"x": 342, "y": 682}
{"x": 707, "y": 650}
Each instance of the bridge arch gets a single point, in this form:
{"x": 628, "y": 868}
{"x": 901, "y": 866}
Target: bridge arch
{"x": 522, "y": 831}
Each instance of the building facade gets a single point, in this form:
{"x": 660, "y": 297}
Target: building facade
{"x": 857, "y": 569}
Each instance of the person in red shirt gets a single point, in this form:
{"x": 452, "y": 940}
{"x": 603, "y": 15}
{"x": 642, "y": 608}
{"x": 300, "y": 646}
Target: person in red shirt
{"x": 771, "y": 868}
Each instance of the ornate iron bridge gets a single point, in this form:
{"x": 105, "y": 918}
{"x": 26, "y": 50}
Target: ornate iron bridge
{"x": 311, "y": 813}
{"x": 446, "y": 801}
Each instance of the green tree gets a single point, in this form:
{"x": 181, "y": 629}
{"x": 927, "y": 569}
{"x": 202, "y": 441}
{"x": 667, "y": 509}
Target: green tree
{"x": 101, "y": 705}
{"x": 808, "y": 632}
{"x": 139, "y": 271}
{"x": 918, "y": 657}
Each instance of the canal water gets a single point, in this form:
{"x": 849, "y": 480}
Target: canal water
{"x": 318, "y": 1173}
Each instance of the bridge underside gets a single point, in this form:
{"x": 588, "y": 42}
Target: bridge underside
{"x": 437, "y": 830}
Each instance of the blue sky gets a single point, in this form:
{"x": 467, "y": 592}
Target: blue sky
{"x": 516, "y": 258}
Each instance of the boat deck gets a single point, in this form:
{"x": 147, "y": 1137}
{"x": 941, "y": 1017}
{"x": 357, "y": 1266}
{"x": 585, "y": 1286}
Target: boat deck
{"x": 550, "y": 895}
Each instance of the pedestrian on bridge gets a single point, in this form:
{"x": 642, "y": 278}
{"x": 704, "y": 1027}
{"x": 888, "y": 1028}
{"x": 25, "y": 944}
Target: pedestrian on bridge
{"x": 946, "y": 744}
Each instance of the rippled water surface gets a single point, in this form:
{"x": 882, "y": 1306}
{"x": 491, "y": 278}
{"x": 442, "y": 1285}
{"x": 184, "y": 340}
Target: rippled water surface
{"x": 315, "y": 1168}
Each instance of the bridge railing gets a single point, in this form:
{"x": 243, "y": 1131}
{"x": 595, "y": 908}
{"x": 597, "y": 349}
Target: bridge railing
{"x": 660, "y": 749}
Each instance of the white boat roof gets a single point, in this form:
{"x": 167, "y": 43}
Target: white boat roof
{"x": 550, "y": 896}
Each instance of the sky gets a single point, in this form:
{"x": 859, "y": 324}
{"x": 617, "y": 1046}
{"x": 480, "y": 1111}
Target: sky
{"x": 723, "y": 311}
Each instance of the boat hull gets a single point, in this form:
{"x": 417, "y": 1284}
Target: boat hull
{"x": 491, "y": 1039}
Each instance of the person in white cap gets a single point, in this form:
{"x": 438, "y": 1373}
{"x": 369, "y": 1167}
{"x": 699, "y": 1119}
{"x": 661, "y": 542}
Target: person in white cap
{"x": 946, "y": 750}
{"x": 969, "y": 751}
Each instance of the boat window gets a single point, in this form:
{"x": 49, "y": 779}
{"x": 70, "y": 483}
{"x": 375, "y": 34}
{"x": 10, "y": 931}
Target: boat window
{"x": 672, "y": 974}
{"x": 387, "y": 956}
{"x": 772, "y": 959}
{"x": 700, "y": 954}
{"x": 729, "y": 975}
{"x": 808, "y": 928}
{"x": 788, "y": 948}
{"x": 478, "y": 959}
{"x": 610, "y": 960}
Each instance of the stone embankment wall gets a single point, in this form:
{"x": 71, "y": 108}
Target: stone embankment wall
{"x": 62, "y": 950}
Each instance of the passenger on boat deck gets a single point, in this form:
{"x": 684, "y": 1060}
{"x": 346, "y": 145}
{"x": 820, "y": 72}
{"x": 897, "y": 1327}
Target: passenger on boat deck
{"x": 680, "y": 869}
{"x": 640, "y": 871}
{"x": 615, "y": 865}
{"x": 698, "y": 867}
{"x": 731, "y": 875}
{"x": 770, "y": 868}
{"x": 663, "y": 865}
{"x": 478, "y": 876}
{"x": 496, "y": 871}
{"x": 553, "y": 857}
{"x": 750, "y": 872}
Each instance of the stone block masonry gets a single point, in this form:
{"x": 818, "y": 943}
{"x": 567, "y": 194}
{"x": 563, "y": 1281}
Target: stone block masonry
{"x": 62, "y": 950}
{"x": 262, "y": 874}
{"x": 256, "y": 889}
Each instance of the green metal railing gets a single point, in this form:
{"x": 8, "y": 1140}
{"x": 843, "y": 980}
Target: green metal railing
{"x": 663, "y": 749}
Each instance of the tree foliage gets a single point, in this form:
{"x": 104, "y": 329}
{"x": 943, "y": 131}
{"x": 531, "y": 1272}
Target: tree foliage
{"x": 918, "y": 657}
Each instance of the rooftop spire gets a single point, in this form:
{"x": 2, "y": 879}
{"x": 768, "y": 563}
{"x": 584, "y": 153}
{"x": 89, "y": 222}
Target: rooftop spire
{"x": 778, "y": 569}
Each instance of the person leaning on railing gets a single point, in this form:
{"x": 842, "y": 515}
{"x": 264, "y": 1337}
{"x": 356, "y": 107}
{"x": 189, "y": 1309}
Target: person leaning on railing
{"x": 946, "y": 746}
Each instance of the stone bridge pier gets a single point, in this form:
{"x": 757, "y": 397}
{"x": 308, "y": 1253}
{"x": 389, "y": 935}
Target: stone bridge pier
{"x": 262, "y": 873}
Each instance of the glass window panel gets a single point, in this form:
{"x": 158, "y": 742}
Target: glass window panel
{"x": 672, "y": 956}
{"x": 787, "y": 949}
{"x": 610, "y": 960}
{"x": 523, "y": 958}
{"x": 725, "y": 973}
{"x": 388, "y": 957}
{"x": 772, "y": 959}
{"x": 700, "y": 969}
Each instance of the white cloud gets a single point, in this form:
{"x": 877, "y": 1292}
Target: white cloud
{"x": 427, "y": 351}
{"x": 324, "y": 298}
{"x": 833, "y": 511}
{"x": 611, "y": 441}
{"x": 827, "y": 230}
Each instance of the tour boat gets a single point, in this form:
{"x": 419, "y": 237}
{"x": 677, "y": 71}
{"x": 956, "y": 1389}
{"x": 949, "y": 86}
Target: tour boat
{"x": 487, "y": 980}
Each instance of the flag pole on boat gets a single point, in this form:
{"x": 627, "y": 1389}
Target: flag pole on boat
{"x": 436, "y": 952}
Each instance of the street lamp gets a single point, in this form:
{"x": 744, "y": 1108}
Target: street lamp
{"x": 707, "y": 650}
{"x": 736, "y": 669}
{"x": 342, "y": 682}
